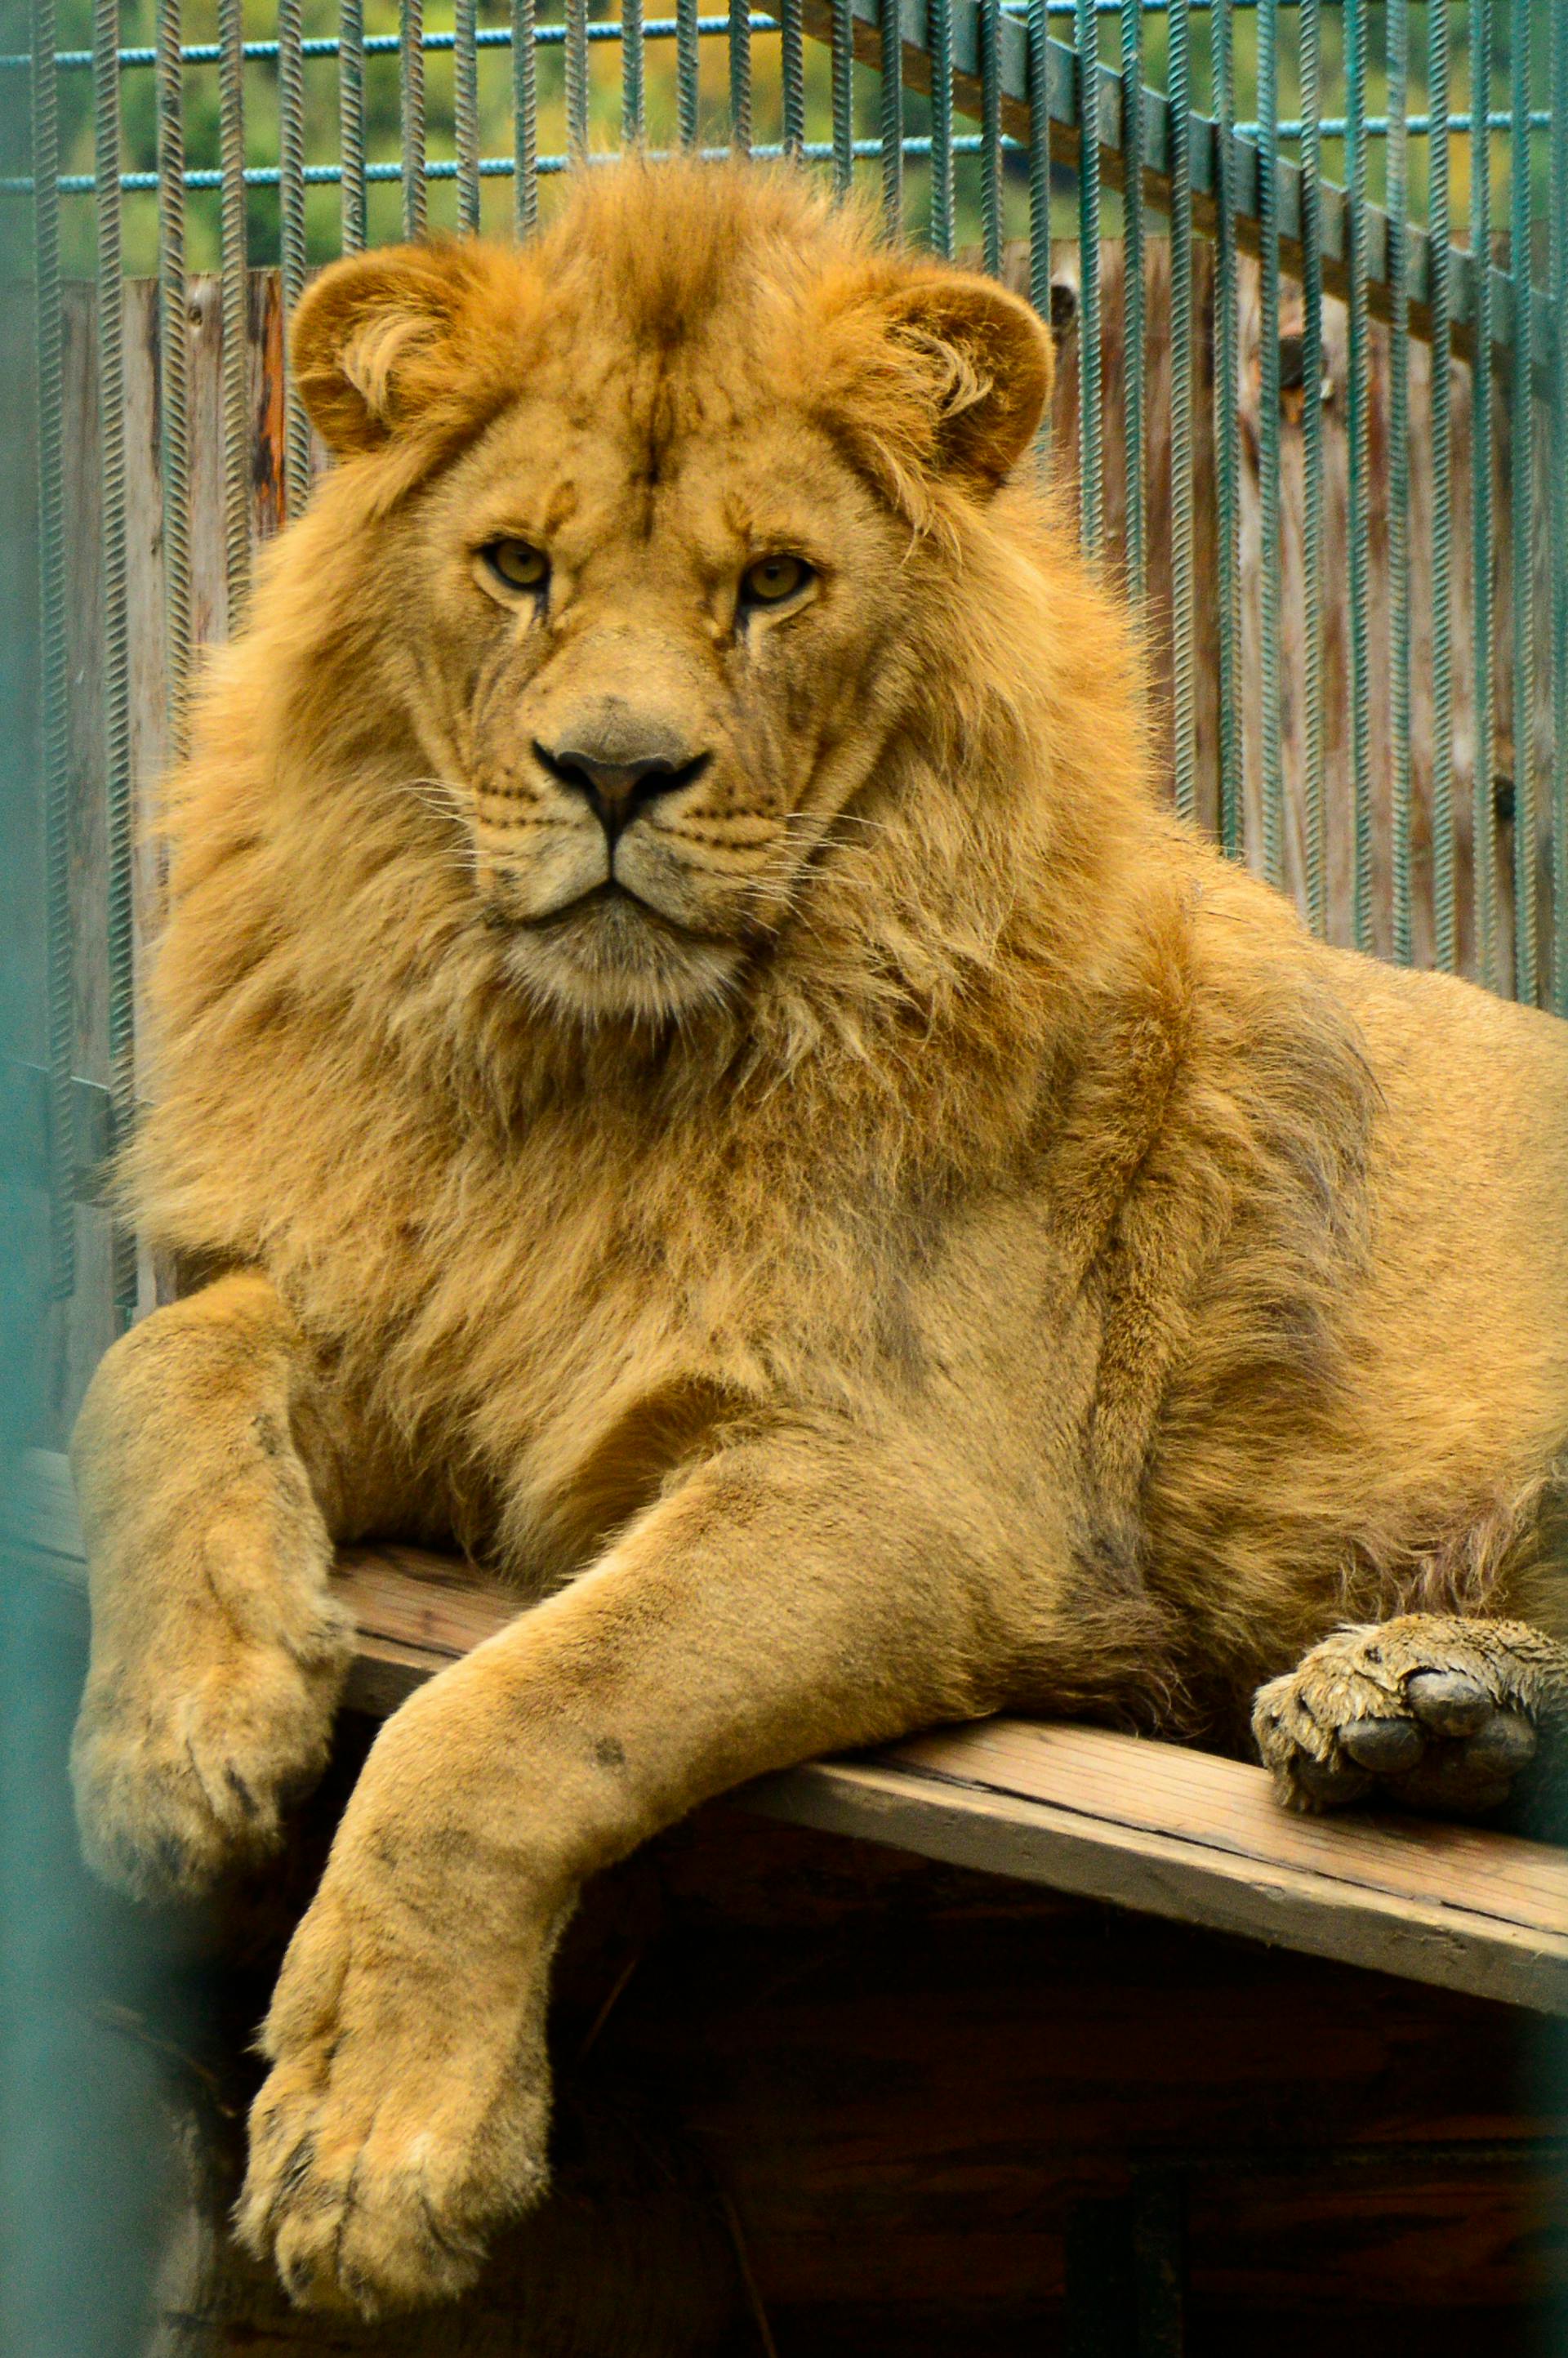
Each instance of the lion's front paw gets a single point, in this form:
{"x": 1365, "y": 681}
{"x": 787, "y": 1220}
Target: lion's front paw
{"x": 1426, "y": 1712}
{"x": 185, "y": 1757}
{"x": 406, "y": 2115}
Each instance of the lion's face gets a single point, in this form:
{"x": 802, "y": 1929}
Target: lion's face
{"x": 649, "y": 607}
{"x": 653, "y": 660}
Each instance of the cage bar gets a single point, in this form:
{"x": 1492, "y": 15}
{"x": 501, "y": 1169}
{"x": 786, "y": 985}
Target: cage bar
{"x": 1444, "y": 911}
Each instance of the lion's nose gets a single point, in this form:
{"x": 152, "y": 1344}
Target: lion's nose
{"x": 618, "y": 779}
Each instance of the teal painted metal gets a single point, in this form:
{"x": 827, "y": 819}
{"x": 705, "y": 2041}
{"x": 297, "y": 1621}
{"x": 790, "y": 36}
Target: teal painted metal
{"x": 291, "y": 213}
{"x": 1359, "y": 489}
{"x": 524, "y": 118}
{"x": 1310, "y": 70}
{"x": 1226, "y": 429}
{"x": 687, "y": 38}
{"x": 465, "y": 110}
{"x": 792, "y": 72}
{"x": 577, "y": 79}
{"x": 1521, "y": 474}
{"x": 1445, "y": 910}
{"x": 1482, "y": 785}
{"x": 891, "y": 104}
{"x": 1397, "y": 38}
{"x": 991, "y": 133}
{"x": 54, "y": 706}
{"x": 741, "y": 72}
{"x": 1184, "y": 653}
{"x": 1091, "y": 426}
{"x": 174, "y": 423}
{"x": 1133, "y": 305}
{"x": 235, "y": 306}
{"x": 411, "y": 114}
{"x": 1269, "y": 397}
{"x": 843, "y": 60}
{"x": 352, "y": 120}
{"x": 119, "y": 915}
{"x": 1558, "y": 511}
{"x": 939, "y": 33}
{"x": 633, "y": 99}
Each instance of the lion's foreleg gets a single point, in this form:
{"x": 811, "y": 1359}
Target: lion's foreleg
{"x": 217, "y": 1654}
{"x": 776, "y": 1605}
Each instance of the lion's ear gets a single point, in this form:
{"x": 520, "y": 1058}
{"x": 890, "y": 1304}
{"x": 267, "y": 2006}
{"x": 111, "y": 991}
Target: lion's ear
{"x": 993, "y": 361}
{"x": 385, "y": 339}
{"x": 947, "y": 377}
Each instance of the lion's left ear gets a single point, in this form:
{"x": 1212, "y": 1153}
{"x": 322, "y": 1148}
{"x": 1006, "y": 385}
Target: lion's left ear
{"x": 991, "y": 359}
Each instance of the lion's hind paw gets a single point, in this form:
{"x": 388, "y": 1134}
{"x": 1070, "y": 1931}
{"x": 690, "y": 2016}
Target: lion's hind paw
{"x": 1426, "y": 1712}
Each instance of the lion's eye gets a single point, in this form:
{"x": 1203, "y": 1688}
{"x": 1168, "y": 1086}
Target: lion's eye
{"x": 772, "y": 579}
{"x": 517, "y": 564}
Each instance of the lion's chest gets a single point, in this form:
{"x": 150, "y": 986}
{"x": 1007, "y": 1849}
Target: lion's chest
{"x": 559, "y": 1338}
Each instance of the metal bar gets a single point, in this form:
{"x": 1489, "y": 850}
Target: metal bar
{"x": 1309, "y": 36}
{"x": 1132, "y": 299}
{"x": 1357, "y": 437}
{"x": 116, "y": 691}
{"x": 352, "y": 120}
{"x": 1521, "y": 485}
{"x": 843, "y": 66}
{"x": 740, "y": 45}
{"x": 1396, "y": 55}
{"x": 173, "y": 374}
{"x": 1091, "y": 426}
{"x": 1273, "y": 776}
{"x": 939, "y": 34}
{"x": 291, "y": 211}
{"x": 686, "y": 69}
{"x": 465, "y": 112}
{"x": 577, "y": 79}
{"x": 411, "y": 116}
{"x": 235, "y": 309}
{"x": 524, "y": 118}
{"x": 1227, "y": 430}
{"x": 1558, "y": 508}
{"x": 54, "y": 705}
{"x": 1183, "y": 693}
{"x": 1039, "y": 193}
{"x": 633, "y": 104}
{"x": 991, "y": 135}
{"x": 1481, "y": 460}
{"x": 892, "y": 120}
{"x": 792, "y": 70}
{"x": 1445, "y": 913}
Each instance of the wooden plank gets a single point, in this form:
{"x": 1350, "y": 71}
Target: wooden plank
{"x": 1143, "y": 1824}
{"x": 1148, "y": 1825}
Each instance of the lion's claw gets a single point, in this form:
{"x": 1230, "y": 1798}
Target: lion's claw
{"x": 1424, "y": 1712}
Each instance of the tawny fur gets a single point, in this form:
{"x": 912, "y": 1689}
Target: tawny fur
{"x": 949, "y": 1241}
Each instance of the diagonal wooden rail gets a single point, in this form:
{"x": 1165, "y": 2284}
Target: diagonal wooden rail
{"x": 1117, "y": 1818}
{"x": 1146, "y": 1825}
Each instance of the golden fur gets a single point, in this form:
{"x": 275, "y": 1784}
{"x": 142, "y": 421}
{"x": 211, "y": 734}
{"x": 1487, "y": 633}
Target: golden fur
{"x": 934, "y": 1238}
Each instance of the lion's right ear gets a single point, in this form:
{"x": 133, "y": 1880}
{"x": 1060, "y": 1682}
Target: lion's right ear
{"x": 406, "y": 337}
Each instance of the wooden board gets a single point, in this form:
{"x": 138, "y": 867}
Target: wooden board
{"x": 1153, "y": 1827}
{"x": 1148, "y": 1825}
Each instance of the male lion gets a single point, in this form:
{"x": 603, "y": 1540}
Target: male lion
{"x": 696, "y": 1066}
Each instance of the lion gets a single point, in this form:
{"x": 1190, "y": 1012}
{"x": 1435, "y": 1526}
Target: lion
{"x": 693, "y": 1063}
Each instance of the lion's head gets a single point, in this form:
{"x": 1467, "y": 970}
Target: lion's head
{"x": 658, "y": 524}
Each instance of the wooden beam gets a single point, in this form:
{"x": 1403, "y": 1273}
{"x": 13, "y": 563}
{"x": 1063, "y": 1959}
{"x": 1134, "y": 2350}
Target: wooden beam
{"x": 1146, "y": 1825}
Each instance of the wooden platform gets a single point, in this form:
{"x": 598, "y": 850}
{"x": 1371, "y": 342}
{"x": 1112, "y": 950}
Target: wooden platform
{"x": 1153, "y": 1826}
